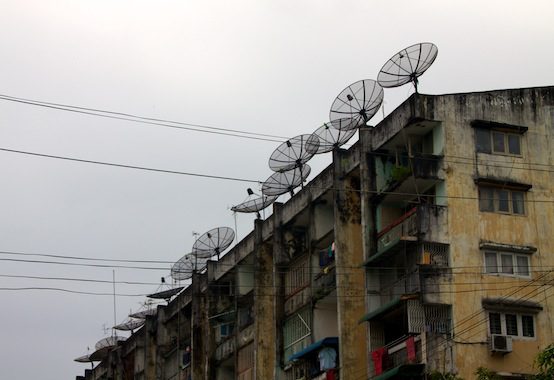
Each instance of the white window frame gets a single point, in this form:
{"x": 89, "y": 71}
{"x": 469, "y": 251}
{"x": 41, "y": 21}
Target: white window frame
{"x": 515, "y": 266}
{"x": 519, "y": 320}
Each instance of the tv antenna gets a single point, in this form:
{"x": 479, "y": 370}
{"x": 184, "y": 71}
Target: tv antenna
{"x": 332, "y": 135}
{"x": 292, "y": 153}
{"x": 358, "y": 102}
{"x": 283, "y": 182}
{"x": 254, "y": 203}
{"x": 213, "y": 242}
{"x": 407, "y": 65}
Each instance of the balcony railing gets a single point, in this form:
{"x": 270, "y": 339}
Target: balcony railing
{"x": 403, "y": 228}
{"x": 325, "y": 282}
{"x": 406, "y": 350}
{"x": 425, "y": 166}
{"x": 428, "y": 222}
{"x": 225, "y": 349}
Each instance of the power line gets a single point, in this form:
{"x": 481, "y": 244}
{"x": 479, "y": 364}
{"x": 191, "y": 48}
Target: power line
{"x": 146, "y": 120}
{"x": 71, "y": 291}
{"x": 130, "y": 166}
{"x": 86, "y": 258}
{"x": 460, "y": 197}
{"x": 76, "y": 279}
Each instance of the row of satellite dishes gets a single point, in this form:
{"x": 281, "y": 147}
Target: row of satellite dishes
{"x": 351, "y": 109}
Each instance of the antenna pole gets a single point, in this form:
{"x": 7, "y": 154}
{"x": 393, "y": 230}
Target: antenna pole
{"x": 114, "y": 312}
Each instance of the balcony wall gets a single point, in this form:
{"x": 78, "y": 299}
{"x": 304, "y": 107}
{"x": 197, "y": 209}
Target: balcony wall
{"x": 424, "y": 222}
{"x": 390, "y": 174}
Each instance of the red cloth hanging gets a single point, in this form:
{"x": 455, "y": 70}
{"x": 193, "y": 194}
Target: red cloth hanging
{"x": 410, "y": 349}
{"x": 378, "y": 357}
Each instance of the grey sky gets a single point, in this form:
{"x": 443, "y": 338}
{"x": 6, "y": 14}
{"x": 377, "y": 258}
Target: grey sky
{"x": 262, "y": 66}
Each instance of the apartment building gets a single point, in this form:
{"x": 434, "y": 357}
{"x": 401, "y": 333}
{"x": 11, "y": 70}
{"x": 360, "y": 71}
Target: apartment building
{"x": 424, "y": 247}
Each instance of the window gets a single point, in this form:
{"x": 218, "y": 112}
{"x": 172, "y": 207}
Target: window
{"x": 507, "y": 264}
{"x": 497, "y": 142}
{"x": 513, "y": 324}
{"x": 506, "y": 201}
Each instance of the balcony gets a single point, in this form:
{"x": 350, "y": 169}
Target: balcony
{"x": 225, "y": 349}
{"x": 401, "y": 357}
{"x": 324, "y": 282}
{"x": 393, "y": 170}
{"x": 421, "y": 223}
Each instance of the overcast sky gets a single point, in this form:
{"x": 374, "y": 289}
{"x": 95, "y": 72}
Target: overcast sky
{"x": 270, "y": 67}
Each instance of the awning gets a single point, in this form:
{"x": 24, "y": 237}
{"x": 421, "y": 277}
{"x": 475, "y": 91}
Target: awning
{"x": 406, "y": 370}
{"x": 381, "y": 310}
{"x": 325, "y": 342}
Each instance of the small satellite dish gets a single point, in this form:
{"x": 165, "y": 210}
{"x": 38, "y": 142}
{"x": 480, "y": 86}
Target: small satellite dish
{"x": 186, "y": 266}
{"x": 407, "y": 65}
{"x": 331, "y": 138}
{"x": 358, "y": 102}
{"x": 283, "y": 182}
{"x": 166, "y": 294}
{"x": 143, "y": 313}
{"x": 130, "y": 325}
{"x": 291, "y": 154}
{"x": 83, "y": 359}
{"x": 103, "y": 347}
{"x": 110, "y": 341}
{"x": 254, "y": 203}
{"x": 213, "y": 242}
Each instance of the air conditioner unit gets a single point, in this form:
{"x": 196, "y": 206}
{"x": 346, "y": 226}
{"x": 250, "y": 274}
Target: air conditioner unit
{"x": 501, "y": 343}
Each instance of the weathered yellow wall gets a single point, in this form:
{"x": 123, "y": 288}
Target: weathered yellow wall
{"x": 468, "y": 226}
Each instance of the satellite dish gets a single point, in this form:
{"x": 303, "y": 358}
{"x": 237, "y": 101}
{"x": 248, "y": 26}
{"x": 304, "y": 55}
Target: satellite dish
{"x": 213, "y": 242}
{"x": 110, "y": 341}
{"x": 103, "y": 347}
{"x": 166, "y": 294}
{"x": 254, "y": 203}
{"x": 186, "y": 265}
{"x": 283, "y": 182}
{"x": 130, "y": 325}
{"x": 358, "y": 102}
{"x": 407, "y": 65}
{"x": 291, "y": 154}
{"x": 143, "y": 314}
{"x": 331, "y": 138}
{"x": 83, "y": 359}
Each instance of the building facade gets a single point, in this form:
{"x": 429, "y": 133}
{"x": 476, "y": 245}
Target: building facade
{"x": 425, "y": 247}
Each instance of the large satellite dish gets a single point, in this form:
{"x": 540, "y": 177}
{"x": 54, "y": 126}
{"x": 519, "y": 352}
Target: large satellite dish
{"x": 213, "y": 242}
{"x": 407, "y": 65}
{"x": 358, "y": 102}
{"x": 285, "y": 182}
{"x": 331, "y": 136}
{"x": 291, "y": 154}
{"x": 254, "y": 203}
{"x": 130, "y": 325}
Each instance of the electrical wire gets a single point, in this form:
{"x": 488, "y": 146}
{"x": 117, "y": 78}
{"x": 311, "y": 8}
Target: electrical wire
{"x": 147, "y": 120}
{"x": 330, "y": 188}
